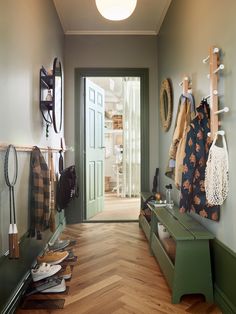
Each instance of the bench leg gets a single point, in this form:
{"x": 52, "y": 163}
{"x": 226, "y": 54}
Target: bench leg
{"x": 192, "y": 273}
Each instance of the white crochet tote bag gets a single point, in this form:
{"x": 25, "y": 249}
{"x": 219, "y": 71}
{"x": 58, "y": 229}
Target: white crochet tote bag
{"x": 217, "y": 173}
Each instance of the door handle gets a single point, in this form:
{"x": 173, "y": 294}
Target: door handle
{"x": 103, "y": 147}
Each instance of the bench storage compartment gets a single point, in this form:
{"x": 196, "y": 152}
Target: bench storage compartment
{"x": 189, "y": 271}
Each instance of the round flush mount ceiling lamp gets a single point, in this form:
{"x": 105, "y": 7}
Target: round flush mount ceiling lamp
{"x": 116, "y": 10}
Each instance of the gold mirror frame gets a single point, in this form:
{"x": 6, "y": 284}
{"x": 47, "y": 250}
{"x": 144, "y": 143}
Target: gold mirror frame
{"x": 166, "y": 104}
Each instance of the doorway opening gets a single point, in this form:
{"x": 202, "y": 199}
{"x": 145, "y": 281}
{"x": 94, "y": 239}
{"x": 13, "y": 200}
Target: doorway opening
{"x": 112, "y": 137}
{"x": 77, "y": 212}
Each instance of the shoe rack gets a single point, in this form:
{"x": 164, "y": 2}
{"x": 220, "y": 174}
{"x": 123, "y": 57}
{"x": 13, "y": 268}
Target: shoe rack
{"x": 35, "y": 298}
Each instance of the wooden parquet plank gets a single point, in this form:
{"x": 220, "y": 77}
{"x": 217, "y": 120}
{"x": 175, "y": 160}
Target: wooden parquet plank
{"x": 92, "y": 288}
{"x": 100, "y": 298}
{"x": 116, "y": 274}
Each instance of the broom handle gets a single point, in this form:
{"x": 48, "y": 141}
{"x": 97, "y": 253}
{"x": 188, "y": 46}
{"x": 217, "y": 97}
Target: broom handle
{"x": 16, "y": 251}
{"x": 10, "y": 235}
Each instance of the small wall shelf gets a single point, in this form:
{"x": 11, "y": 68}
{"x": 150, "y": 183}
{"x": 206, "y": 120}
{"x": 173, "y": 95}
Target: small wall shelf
{"x": 50, "y": 96}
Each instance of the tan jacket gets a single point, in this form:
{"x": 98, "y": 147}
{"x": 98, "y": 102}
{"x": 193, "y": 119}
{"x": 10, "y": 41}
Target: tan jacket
{"x": 186, "y": 112}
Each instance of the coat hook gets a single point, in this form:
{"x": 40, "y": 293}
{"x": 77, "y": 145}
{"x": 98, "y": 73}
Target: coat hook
{"x": 221, "y": 132}
{"x": 185, "y": 79}
{"x": 220, "y": 67}
{"x": 215, "y": 93}
{"x": 206, "y": 59}
{"x": 215, "y": 50}
{"x": 225, "y": 109}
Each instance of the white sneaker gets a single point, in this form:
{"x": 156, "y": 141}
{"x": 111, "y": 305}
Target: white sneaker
{"x": 44, "y": 270}
{"x": 56, "y": 289}
{"x": 58, "y": 245}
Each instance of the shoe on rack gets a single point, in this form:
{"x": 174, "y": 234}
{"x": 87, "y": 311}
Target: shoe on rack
{"x": 44, "y": 270}
{"x": 65, "y": 273}
{"x": 58, "y": 245}
{"x": 52, "y": 258}
{"x": 61, "y": 287}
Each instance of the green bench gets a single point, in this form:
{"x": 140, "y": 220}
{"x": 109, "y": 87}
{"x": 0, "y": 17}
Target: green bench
{"x": 143, "y": 223}
{"x": 190, "y": 273}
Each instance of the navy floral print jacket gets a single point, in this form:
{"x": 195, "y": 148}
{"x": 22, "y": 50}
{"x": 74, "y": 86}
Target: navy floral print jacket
{"x": 193, "y": 196}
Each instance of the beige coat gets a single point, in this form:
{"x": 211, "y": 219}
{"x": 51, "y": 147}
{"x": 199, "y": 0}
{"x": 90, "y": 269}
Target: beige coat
{"x": 186, "y": 111}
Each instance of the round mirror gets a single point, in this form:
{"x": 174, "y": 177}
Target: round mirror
{"x": 57, "y": 100}
{"x": 11, "y": 166}
{"x": 166, "y": 104}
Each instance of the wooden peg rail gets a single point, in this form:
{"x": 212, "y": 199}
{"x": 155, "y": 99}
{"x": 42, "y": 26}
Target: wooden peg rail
{"x": 214, "y": 65}
{"x": 29, "y": 148}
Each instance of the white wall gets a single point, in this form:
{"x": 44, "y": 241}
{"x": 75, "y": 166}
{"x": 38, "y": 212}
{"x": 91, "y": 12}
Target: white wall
{"x": 30, "y": 36}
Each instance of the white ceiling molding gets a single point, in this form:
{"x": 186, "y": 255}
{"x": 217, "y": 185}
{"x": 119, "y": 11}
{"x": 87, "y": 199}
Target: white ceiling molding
{"x": 81, "y": 17}
{"x": 150, "y": 33}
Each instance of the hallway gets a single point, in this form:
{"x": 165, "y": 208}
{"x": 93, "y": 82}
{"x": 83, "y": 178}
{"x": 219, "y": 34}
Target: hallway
{"x": 119, "y": 208}
{"x": 115, "y": 274}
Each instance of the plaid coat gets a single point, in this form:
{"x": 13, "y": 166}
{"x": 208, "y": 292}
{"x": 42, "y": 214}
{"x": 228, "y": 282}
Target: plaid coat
{"x": 40, "y": 194}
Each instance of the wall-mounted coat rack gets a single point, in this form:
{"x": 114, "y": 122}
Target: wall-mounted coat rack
{"x": 215, "y": 67}
{"x": 3, "y": 147}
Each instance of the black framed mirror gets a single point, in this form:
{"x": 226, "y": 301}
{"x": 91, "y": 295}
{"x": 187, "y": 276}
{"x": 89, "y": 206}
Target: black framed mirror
{"x": 166, "y": 104}
{"x": 57, "y": 99}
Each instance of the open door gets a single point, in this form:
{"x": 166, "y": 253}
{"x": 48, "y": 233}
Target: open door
{"x": 94, "y": 143}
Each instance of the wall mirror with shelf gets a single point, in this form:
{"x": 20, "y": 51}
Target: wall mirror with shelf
{"x": 51, "y": 95}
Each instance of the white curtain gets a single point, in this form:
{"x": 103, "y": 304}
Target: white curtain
{"x": 131, "y": 138}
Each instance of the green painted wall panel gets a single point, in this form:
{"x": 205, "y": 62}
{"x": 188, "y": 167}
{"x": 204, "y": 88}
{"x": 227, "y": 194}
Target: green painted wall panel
{"x": 224, "y": 275}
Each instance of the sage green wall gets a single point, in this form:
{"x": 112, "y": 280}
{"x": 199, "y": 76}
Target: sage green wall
{"x": 189, "y": 28}
{"x": 30, "y": 36}
{"x": 111, "y": 52}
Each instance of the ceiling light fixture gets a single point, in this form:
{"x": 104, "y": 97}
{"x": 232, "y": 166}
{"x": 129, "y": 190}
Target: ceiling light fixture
{"x": 116, "y": 10}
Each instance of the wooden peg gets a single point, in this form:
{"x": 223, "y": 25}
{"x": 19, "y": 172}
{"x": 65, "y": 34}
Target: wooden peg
{"x": 185, "y": 85}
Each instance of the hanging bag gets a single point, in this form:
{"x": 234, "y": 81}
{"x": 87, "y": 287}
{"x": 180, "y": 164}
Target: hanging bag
{"x": 216, "y": 174}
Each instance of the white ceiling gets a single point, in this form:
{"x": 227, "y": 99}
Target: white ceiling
{"x": 81, "y": 17}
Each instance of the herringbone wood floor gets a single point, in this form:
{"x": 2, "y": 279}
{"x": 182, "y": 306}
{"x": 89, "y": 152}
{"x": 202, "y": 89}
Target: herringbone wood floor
{"x": 116, "y": 275}
{"x": 119, "y": 208}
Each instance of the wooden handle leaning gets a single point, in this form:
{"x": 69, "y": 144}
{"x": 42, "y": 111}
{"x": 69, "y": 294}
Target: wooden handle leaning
{"x": 14, "y": 250}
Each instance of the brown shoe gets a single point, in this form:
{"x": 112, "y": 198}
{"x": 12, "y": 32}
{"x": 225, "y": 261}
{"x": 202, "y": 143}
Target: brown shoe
{"x": 52, "y": 258}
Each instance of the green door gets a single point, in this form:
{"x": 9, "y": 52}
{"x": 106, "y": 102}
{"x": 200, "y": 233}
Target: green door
{"x": 94, "y": 96}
